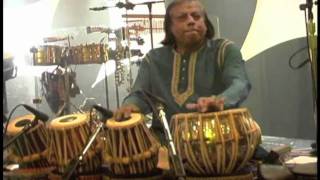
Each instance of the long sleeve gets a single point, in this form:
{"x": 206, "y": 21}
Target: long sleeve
{"x": 142, "y": 82}
{"x": 234, "y": 78}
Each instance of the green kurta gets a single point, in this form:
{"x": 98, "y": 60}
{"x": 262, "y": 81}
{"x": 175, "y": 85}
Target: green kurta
{"x": 181, "y": 79}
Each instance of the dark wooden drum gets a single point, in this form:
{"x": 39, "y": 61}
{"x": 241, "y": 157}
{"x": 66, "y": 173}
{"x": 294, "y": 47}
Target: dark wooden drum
{"x": 130, "y": 148}
{"x": 69, "y": 135}
{"x": 30, "y": 150}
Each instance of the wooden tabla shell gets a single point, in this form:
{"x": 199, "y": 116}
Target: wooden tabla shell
{"x": 215, "y": 143}
{"x": 30, "y": 150}
{"x": 28, "y": 173}
{"x": 130, "y": 148}
{"x": 69, "y": 134}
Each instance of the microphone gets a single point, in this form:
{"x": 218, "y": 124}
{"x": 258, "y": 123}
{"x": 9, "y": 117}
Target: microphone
{"x": 98, "y": 8}
{"x": 105, "y": 112}
{"x": 38, "y": 114}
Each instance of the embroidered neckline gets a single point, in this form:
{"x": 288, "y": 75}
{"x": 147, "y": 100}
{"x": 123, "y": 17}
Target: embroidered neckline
{"x": 180, "y": 98}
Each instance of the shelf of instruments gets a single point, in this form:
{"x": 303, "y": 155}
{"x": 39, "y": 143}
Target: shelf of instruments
{"x": 82, "y": 54}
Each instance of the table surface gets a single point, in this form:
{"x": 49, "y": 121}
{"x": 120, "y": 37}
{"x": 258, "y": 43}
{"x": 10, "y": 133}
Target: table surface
{"x": 269, "y": 142}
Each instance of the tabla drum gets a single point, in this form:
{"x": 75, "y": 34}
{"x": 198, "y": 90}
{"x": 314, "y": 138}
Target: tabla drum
{"x": 89, "y": 54}
{"x": 217, "y": 143}
{"x": 68, "y": 136}
{"x": 30, "y": 150}
{"x": 48, "y": 55}
{"x": 130, "y": 148}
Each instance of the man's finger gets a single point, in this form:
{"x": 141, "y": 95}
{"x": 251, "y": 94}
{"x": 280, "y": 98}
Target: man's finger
{"x": 191, "y": 106}
{"x": 127, "y": 114}
{"x": 117, "y": 116}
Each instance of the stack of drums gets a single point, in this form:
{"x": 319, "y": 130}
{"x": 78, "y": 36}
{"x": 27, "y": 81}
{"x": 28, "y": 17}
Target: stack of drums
{"x": 216, "y": 144}
{"x": 130, "y": 149}
{"x": 30, "y": 149}
{"x": 69, "y": 135}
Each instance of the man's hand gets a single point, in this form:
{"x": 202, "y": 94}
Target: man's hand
{"x": 124, "y": 112}
{"x": 207, "y": 104}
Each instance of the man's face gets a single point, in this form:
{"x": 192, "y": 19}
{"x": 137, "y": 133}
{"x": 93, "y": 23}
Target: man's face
{"x": 188, "y": 24}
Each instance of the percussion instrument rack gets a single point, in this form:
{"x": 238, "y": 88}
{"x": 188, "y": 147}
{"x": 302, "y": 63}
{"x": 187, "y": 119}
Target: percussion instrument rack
{"x": 127, "y": 34}
{"x": 66, "y": 106}
{"x": 120, "y": 50}
{"x": 107, "y": 31}
{"x": 118, "y": 54}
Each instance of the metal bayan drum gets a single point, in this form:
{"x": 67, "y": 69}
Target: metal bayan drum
{"x": 48, "y": 55}
{"x": 68, "y": 136}
{"x": 130, "y": 148}
{"x": 89, "y": 54}
{"x": 218, "y": 143}
{"x": 30, "y": 150}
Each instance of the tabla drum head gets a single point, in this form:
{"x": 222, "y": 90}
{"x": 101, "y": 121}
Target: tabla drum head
{"x": 68, "y": 121}
{"x": 134, "y": 119}
{"x": 16, "y": 125}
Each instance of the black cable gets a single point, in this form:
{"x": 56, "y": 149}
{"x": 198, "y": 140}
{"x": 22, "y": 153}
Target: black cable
{"x": 5, "y": 129}
{"x": 294, "y": 54}
{"x": 299, "y": 50}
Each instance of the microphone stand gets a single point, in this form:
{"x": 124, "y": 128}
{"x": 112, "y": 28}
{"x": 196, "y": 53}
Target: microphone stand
{"x": 160, "y": 114}
{"x": 176, "y": 159}
{"x": 312, "y": 51}
{"x": 149, "y": 4}
{"x": 25, "y": 129}
{"x": 129, "y": 5}
{"x": 75, "y": 162}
